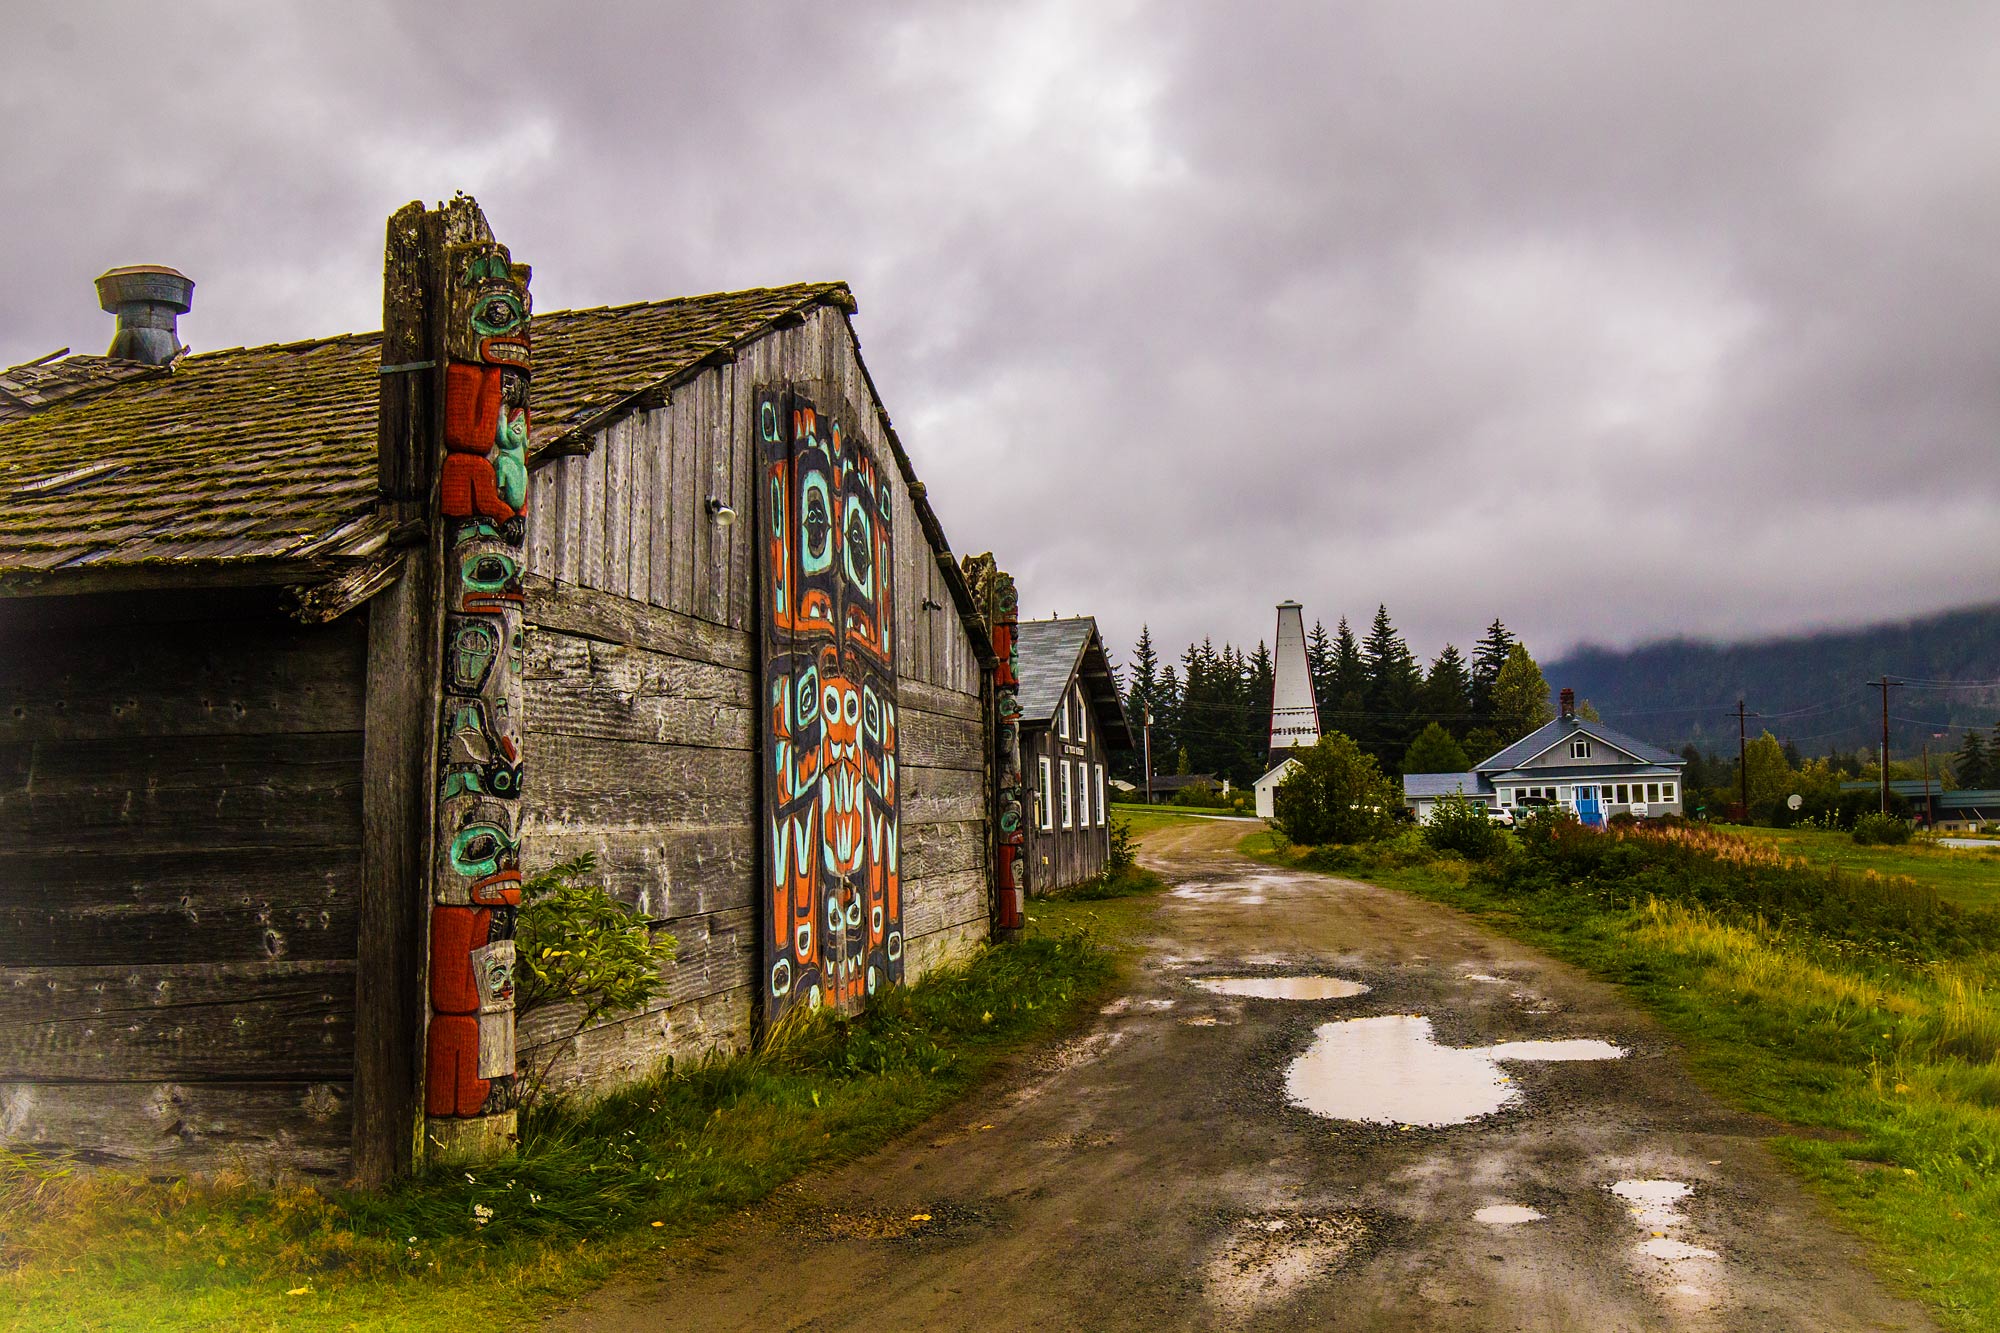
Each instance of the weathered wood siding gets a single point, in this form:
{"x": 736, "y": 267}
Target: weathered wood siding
{"x": 180, "y": 825}
{"x": 642, "y": 725}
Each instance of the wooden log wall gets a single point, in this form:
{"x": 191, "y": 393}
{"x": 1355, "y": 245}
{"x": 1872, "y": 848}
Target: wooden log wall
{"x": 180, "y": 828}
{"x": 642, "y": 722}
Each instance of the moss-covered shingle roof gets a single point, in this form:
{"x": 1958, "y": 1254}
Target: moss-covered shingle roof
{"x": 261, "y": 453}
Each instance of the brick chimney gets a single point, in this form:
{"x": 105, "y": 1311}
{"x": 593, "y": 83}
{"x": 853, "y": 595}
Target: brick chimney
{"x": 1568, "y": 703}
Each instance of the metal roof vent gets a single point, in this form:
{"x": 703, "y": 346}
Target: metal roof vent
{"x": 147, "y": 298}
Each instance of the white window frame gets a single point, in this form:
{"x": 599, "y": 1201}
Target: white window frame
{"x": 1062, "y": 719}
{"x": 1100, "y": 796}
{"x": 1067, "y": 805}
{"x": 1652, "y": 793}
{"x": 1082, "y": 717}
{"x": 1579, "y": 749}
{"x": 1667, "y": 792}
{"x": 1045, "y": 818}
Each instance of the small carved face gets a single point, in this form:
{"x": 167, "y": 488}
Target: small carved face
{"x": 490, "y": 305}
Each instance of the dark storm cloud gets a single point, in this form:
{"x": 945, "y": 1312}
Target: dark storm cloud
{"x": 1609, "y": 321}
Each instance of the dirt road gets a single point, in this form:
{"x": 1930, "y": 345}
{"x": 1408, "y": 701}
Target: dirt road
{"x": 1157, "y": 1172}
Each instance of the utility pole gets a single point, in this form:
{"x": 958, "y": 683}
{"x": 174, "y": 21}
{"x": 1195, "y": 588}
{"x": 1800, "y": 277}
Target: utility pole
{"x": 1742, "y": 766}
{"x": 1885, "y": 685}
{"x": 1146, "y": 726}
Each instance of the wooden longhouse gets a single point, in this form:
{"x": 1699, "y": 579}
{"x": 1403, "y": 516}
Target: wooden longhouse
{"x": 228, "y": 586}
{"x": 1071, "y": 716}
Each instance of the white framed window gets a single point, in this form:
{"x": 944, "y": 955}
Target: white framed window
{"x": 1579, "y": 749}
{"x": 1082, "y": 718}
{"x": 1652, "y": 791}
{"x": 1100, "y": 796}
{"x": 1062, "y": 719}
{"x": 1667, "y": 791}
{"x": 1068, "y": 809}
{"x": 1045, "y": 817}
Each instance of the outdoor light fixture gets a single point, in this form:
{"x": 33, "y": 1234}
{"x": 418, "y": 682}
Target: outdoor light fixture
{"x": 720, "y": 512}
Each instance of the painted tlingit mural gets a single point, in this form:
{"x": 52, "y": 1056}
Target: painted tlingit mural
{"x": 834, "y": 930}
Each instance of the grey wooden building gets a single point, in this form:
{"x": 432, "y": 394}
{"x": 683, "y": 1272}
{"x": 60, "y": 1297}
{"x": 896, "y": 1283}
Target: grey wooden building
{"x": 217, "y": 760}
{"x": 1071, "y": 716}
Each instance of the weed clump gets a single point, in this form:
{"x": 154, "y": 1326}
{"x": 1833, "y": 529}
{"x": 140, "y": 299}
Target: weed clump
{"x": 1885, "y": 830}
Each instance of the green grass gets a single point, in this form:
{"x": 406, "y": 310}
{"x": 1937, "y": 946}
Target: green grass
{"x": 1966, "y": 875}
{"x": 1149, "y": 818}
{"x": 592, "y": 1189}
{"x": 1880, "y": 1067}
{"x": 1124, "y": 883}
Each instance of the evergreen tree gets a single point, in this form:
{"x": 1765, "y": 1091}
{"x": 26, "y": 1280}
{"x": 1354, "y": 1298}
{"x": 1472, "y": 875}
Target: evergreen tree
{"x": 1482, "y": 743}
{"x": 1260, "y": 685}
{"x": 1971, "y": 767}
{"x": 1319, "y": 666}
{"x": 1435, "y": 751}
{"x": 1587, "y": 710}
{"x": 1520, "y": 696}
{"x": 1142, "y": 685}
{"x": 1447, "y": 692}
{"x": 1393, "y": 680}
{"x": 1347, "y": 683}
{"x": 1488, "y": 656}
{"x": 1695, "y": 775}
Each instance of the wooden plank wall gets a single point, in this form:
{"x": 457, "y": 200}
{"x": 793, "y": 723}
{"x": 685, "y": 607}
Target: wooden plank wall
{"x": 642, "y": 730}
{"x": 180, "y": 824}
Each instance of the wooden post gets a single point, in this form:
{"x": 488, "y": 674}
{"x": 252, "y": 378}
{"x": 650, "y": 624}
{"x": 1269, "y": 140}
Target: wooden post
{"x": 401, "y": 720}
{"x": 993, "y": 592}
{"x": 434, "y": 1068}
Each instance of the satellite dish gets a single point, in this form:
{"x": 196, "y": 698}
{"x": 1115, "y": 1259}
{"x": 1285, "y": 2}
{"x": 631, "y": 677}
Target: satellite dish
{"x": 1794, "y": 801}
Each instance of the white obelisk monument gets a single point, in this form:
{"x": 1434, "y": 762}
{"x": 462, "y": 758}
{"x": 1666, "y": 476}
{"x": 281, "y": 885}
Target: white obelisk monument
{"x": 1294, "y": 715}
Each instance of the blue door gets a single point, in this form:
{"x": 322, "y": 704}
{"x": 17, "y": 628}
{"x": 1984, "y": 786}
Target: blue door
{"x": 1589, "y": 808}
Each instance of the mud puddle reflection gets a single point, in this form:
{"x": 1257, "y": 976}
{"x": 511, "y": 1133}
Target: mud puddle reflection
{"x": 1284, "y": 988}
{"x": 1391, "y": 1071}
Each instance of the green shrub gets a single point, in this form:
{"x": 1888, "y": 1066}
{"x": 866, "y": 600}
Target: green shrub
{"x": 1124, "y": 851}
{"x": 1337, "y": 794}
{"x": 1880, "y": 828}
{"x": 1460, "y": 824}
{"x": 576, "y": 944}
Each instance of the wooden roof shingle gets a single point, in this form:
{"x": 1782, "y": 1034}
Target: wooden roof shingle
{"x": 269, "y": 453}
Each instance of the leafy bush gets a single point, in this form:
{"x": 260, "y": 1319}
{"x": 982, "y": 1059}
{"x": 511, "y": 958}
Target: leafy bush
{"x": 1124, "y": 851}
{"x": 1880, "y": 828}
{"x": 576, "y": 944}
{"x": 1460, "y": 824}
{"x": 1337, "y": 794}
{"x": 1200, "y": 798}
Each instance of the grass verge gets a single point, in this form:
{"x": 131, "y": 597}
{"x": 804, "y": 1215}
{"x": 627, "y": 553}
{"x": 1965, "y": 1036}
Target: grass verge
{"x": 593, "y": 1187}
{"x": 1970, "y": 876}
{"x": 1870, "y": 1029}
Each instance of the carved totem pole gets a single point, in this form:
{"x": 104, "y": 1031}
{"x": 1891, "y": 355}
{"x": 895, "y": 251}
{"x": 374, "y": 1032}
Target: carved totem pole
{"x": 482, "y": 496}
{"x": 993, "y": 591}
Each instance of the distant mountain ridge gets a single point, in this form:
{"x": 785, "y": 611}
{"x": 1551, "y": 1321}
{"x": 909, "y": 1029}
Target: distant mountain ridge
{"x": 1811, "y": 688}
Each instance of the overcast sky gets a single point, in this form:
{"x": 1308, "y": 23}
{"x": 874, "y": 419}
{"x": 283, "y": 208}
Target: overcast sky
{"x": 1615, "y": 321}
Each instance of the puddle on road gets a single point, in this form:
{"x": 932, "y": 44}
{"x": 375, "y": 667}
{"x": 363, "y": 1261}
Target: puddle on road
{"x": 1506, "y": 1214}
{"x": 1391, "y": 1071}
{"x": 1284, "y": 988}
{"x": 1481, "y": 976}
{"x": 1653, "y": 1204}
{"x": 1265, "y": 1260}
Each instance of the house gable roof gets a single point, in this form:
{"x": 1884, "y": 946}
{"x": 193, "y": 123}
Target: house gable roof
{"x": 1048, "y": 655}
{"x": 269, "y": 453}
{"x": 1546, "y": 737}
{"x": 1444, "y": 784}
